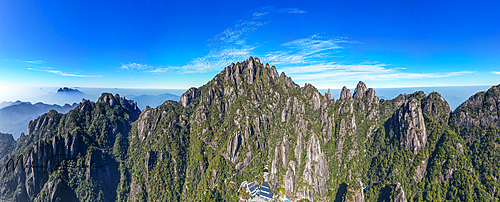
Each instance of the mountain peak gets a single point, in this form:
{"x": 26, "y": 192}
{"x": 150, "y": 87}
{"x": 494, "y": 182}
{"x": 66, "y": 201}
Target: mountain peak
{"x": 68, "y": 90}
{"x": 345, "y": 93}
{"x": 360, "y": 91}
{"x": 249, "y": 71}
{"x": 109, "y": 98}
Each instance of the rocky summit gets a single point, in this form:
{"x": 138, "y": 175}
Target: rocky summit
{"x": 251, "y": 126}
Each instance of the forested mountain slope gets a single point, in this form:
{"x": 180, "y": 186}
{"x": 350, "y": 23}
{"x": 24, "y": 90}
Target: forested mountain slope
{"x": 356, "y": 148}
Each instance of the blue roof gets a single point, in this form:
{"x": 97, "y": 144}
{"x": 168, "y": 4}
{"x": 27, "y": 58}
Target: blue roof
{"x": 266, "y": 195}
{"x": 265, "y": 184}
{"x": 253, "y": 188}
{"x": 265, "y": 191}
{"x": 250, "y": 184}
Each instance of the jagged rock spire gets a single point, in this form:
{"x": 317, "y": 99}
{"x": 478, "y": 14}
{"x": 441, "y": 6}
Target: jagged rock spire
{"x": 328, "y": 96}
{"x": 345, "y": 93}
{"x": 372, "y": 96}
{"x": 360, "y": 90}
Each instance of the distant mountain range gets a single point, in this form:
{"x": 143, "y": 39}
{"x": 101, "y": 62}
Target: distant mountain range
{"x": 15, "y": 116}
{"x": 10, "y": 103}
{"x": 152, "y": 100}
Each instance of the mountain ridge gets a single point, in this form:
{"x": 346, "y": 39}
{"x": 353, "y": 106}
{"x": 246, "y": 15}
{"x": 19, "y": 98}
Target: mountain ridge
{"x": 248, "y": 116}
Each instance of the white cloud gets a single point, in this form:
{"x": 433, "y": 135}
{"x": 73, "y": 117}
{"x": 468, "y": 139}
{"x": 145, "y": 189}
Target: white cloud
{"x": 365, "y": 72}
{"x": 228, "y": 46}
{"x": 66, "y": 74}
{"x": 138, "y": 66}
{"x": 375, "y": 68}
{"x": 493, "y": 72}
{"x": 158, "y": 70}
{"x": 304, "y": 60}
{"x": 144, "y": 68}
{"x": 57, "y": 72}
{"x": 258, "y": 14}
{"x": 38, "y": 62}
{"x": 311, "y": 50}
{"x": 232, "y": 34}
{"x": 271, "y": 10}
{"x": 295, "y": 10}
{"x": 217, "y": 59}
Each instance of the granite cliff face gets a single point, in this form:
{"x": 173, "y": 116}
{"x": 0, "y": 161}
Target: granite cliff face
{"x": 410, "y": 122}
{"x": 250, "y": 117}
{"x": 7, "y": 144}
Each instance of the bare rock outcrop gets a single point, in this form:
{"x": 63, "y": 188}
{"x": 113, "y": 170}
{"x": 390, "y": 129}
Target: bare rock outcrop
{"x": 316, "y": 168}
{"x": 189, "y": 95}
{"x": 233, "y": 147}
{"x": 108, "y": 98}
{"x": 360, "y": 90}
{"x": 372, "y": 96}
{"x": 289, "y": 181}
{"x": 410, "y": 123}
{"x": 328, "y": 95}
{"x": 345, "y": 93}
{"x": 399, "y": 194}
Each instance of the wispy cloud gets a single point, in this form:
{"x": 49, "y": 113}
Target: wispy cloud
{"x": 360, "y": 68}
{"x": 226, "y": 47}
{"x": 313, "y": 49}
{"x": 37, "y": 62}
{"x": 309, "y": 60}
{"x": 144, "y": 68}
{"x": 73, "y": 75}
{"x": 365, "y": 72}
{"x": 51, "y": 70}
{"x": 493, "y": 72}
{"x": 217, "y": 59}
{"x": 57, "y": 72}
{"x": 233, "y": 34}
{"x": 258, "y": 19}
{"x": 230, "y": 46}
{"x": 272, "y": 10}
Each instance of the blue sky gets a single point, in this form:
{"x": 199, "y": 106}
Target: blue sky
{"x": 179, "y": 44}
